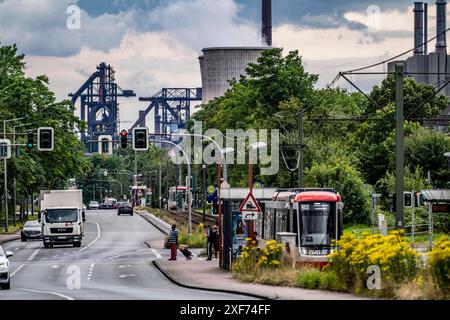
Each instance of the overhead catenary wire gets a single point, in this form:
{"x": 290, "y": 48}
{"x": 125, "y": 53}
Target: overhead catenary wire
{"x": 339, "y": 75}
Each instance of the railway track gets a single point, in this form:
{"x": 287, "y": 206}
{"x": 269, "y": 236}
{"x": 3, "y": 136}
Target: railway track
{"x": 197, "y": 218}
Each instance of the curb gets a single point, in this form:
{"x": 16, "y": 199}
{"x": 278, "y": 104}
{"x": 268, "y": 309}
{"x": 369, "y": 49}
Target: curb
{"x": 16, "y": 237}
{"x": 173, "y": 280}
{"x": 151, "y": 222}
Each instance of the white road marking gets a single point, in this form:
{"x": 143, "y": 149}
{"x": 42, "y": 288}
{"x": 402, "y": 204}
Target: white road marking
{"x": 93, "y": 241}
{"x": 55, "y": 267}
{"x": 48, "y": 292}
{"x": 156, "y": 253}
{"x": 33, "y": 255}
{"x": 127, "y": 275}
{"x": 126, "y": 254}
{"x": 91, "y": 269}
{"x": 15, "y": 271}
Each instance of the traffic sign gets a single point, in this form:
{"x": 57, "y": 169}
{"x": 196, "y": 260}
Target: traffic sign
{"x": 257, "y": 185}
{"x": 249, "y": 215}
{"x": 250, "y": 208}
{"x": 211, "y": 189}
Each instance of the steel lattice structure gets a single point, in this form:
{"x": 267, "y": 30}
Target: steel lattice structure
{"x": 172, "y": 109}
{"x": 99, "y": 106}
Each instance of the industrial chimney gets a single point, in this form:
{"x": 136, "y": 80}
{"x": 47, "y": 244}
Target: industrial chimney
{"x": 419, "y": 28}
{"x": 441, "y": 43}
{"x": 267, "y": 22}
{"x": 425, "y": 29}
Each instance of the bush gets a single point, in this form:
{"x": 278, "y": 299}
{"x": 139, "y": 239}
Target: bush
{"x": 309, "y": 279}
{"x": 270, "y": 257}
{"x": 330, "y": 281}
{"x": 392, "y": 253}
{"x": 439, "y": 262}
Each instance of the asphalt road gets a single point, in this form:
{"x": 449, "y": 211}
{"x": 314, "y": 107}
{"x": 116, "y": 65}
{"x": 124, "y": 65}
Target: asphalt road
{"x": 112, "y": 263}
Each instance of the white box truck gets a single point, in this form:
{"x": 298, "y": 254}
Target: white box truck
{"x": 62, "y": 217}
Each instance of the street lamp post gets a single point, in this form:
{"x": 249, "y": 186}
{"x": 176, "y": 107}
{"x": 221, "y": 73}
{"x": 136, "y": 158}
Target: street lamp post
{"x": 188, "y": 186}
{"x": 5, "y": 167}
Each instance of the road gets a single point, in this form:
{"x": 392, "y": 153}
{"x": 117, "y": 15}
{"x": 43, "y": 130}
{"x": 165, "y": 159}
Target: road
{"x": 112, "y": 263}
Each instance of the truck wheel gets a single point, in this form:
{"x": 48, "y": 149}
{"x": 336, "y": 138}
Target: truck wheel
{"x": 6, "y": 286}
{"x": 46, "y": 245}
{"x": 23, "y": 238}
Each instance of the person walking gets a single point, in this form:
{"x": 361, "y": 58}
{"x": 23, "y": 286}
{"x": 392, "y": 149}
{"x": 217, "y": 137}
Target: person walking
{"x": 209, "y": 242}
{"x": 173, "y": 242}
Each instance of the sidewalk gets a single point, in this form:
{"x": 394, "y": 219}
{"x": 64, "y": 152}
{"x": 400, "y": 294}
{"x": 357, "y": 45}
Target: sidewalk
{"x": 9, "y": 237}
{"x": 202, "y": 274}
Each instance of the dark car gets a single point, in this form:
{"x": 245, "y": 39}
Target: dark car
{"x": 31, "y": 230}
{"x": 125, "y": 208}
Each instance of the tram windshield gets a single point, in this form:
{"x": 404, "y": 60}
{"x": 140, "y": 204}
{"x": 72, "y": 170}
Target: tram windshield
{"x": 315, "y": 217}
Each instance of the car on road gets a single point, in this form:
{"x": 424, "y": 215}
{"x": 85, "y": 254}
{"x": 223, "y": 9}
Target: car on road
{"x": 31, "y": 230}
{"x": 5, "y": 281}
{"x": 93, "y": 205}
{"x": 125, "y": 208}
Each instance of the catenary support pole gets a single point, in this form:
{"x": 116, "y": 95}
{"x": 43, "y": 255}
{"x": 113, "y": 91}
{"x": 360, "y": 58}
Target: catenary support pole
{"x": 399, "y": 149}
{"x": 300, "y": 143}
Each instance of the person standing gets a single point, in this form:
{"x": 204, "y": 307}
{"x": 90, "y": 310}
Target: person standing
{"x": 209, "y": 242}
{"x": 173, "y": 242}
{"x": 215, "y": 240}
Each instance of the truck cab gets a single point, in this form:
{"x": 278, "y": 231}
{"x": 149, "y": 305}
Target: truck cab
{"x": 62, "y": 226}
{"x": 62, "y": 217}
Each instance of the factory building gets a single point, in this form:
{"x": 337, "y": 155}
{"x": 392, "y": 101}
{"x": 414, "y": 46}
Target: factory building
{"x": 220, "y": 65}
{"x": 424, "y": 67}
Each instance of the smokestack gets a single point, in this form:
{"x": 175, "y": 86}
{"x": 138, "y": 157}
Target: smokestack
{"x": 267, "y": 22}
{"x": 425, "y": 29}
{"x": 418, "y": 28}
{"x": 441, "y": 11}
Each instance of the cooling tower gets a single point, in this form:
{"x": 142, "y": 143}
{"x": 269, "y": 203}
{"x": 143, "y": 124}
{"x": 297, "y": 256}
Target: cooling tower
{"x": 220, "y": 65}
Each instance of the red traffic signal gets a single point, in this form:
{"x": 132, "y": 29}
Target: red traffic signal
{"x": 124, "y": 139}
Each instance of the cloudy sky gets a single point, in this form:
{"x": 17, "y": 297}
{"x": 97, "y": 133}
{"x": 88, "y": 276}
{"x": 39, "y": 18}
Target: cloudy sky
{"x": 155, "y": 43}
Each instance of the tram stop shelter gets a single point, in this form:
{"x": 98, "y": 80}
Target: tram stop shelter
{"x": 438, "y": 202}
{"x": 231, "y": 199}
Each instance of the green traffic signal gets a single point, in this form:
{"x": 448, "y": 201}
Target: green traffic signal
{"x": 30, "y": 141}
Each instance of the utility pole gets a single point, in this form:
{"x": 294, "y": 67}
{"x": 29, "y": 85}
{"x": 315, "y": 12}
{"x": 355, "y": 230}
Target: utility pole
{"x": 399, "y": 149}
{"x": 204, "y": 191}
{"x": 160, "y": 186}
{"x": 300, "y": 144}
{"x": 5, "y": 177}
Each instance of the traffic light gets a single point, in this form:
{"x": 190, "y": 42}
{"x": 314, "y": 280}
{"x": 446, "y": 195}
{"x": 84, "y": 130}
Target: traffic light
{"x": 30, "y": 141}
{"x": 124, "y": 139}
{"x": 140, "y": 139}
{"x": 45, "y": 139}
{"x": 408, "y": 199}
{"x": 5, "y": 148}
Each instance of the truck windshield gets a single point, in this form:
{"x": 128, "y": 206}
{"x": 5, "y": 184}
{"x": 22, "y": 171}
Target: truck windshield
{"x": 61, "y": 215}
{"x": 314, "y": 223}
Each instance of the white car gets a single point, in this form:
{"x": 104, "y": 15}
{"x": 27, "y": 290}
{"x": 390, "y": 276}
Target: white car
{"x": 93, "y": 205}
{"x": 4, "y": 269}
